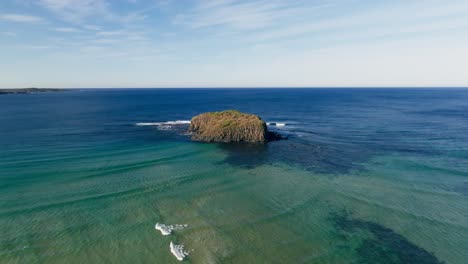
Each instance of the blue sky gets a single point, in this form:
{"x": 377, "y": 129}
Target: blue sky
{"x": 228, "y": 43}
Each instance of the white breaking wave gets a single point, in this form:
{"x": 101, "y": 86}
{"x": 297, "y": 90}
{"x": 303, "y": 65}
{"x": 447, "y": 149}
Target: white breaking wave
{"x": 178, "y": 251}
{"x": 276, "y": 124}
{"x": 148, "y": 124}
{"x": 167, "y": 123}
{"x": 167, "y": 229}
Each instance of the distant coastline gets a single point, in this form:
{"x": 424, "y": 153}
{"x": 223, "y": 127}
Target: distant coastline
{"x": 30, "y": 90}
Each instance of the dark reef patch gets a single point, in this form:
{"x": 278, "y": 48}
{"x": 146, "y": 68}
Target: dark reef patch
{"x": 463, "y": 189}
{"x": 383, "y": 245}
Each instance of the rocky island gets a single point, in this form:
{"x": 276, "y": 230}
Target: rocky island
{"x": 230, "y": 126}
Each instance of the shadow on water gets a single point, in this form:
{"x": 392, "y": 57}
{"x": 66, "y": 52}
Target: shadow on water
{"x": 246, "y": 156}
{"x": 384, "y": 245}
{"x": 319, "y": 158}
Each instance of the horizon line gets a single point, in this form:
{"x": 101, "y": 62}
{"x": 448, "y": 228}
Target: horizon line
{"x": 250, "y": 87}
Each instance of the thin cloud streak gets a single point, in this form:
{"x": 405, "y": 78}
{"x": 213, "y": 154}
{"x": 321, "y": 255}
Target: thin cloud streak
{"x": 76, "y": 11}
{"x": 67, "y": 29}
{"x": 21, "y": 18}
{"x": 9, "y": 34}
{"x": 376, "y": 22}
{"x": 238, "y": 15}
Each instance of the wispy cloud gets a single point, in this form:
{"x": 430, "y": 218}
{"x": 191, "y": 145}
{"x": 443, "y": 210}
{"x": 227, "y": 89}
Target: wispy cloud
{"x": 92, "y": 27}
{"x": 107, "y": 28}
{"x": 105, "y": 41}
{"x": 77, "y": 11}
{"x": 110, "y": 33}
{"x": 238, "y": 14}
{"x": 9, "y": 33}
{"x": 122, "y": 35}
{"x": 67, "y": 29}
{"x": 374, "y": 22}
{"x": 20, "y": 18}
{"x": 81, "y": 11}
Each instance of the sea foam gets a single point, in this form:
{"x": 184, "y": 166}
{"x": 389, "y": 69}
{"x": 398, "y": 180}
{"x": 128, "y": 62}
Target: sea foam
{"x": 178, "y": 251}
{"x": 276, "y": 124}
{"x": 167, "y": 229}
{"x": 167, "y": 123}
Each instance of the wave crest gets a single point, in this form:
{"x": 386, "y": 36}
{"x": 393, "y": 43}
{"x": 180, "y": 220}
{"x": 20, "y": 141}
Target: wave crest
{"x": 167, "y": 123}
{"x": 276, "y": 124}
{"x": 167, "y": 229}
{"x": 178, "y": 251}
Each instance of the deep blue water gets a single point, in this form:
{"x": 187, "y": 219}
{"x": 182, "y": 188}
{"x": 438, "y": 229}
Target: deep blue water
{"x": 346, "y": 124}
{"x": 403, "y": 151}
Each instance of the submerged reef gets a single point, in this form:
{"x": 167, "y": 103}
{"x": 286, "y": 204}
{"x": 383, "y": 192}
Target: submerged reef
{"x": 230, "y": 126}
{"x": 383, "y": 245}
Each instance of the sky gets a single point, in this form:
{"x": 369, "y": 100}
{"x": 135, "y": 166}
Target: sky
{"x": 232, "y": 43}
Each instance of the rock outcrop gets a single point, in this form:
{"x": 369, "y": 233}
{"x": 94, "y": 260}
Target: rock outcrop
{"x": 29, "y": 90}
{"x": 230, "y": 126}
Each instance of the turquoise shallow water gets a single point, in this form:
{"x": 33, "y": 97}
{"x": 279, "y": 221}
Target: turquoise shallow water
{"x": 383, "y": 183}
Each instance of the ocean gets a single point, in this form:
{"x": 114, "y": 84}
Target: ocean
{"x": 365, "y": 176}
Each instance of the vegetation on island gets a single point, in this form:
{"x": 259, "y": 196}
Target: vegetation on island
{"x": 230, "y": 126}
